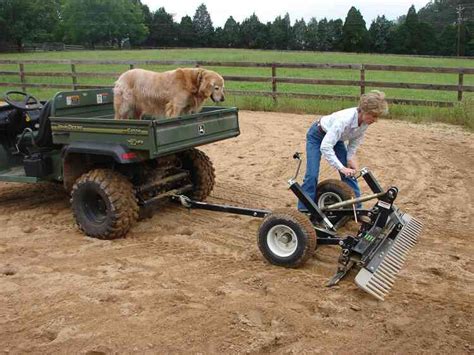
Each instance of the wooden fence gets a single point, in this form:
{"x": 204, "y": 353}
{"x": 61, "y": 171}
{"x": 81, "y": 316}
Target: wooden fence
{"x": 272, "y": 78}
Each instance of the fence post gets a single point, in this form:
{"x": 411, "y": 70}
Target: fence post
{"x": 274, "y": 84}
{"x": 22, "y": 76}
{"x": 74, "y": 76}
{"x": 362, "y": 80}
{"x": 460, "y": 86}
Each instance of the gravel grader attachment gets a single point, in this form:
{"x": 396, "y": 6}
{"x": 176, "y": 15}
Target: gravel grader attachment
{"x": 288, "y": 238}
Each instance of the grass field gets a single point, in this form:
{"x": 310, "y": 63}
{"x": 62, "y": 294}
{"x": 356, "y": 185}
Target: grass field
{"x": 462, "y": 113}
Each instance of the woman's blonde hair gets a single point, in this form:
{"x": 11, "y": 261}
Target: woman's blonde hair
{"x": 374, "y": 103}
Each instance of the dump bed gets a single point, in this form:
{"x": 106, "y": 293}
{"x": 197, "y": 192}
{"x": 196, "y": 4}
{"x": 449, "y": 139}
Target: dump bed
{"x": 87, "y": 116}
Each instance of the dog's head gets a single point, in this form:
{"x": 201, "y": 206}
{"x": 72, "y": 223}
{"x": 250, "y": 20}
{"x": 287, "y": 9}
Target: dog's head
{"x": 211, "y": 85}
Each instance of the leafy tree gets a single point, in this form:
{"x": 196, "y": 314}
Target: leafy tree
{"x": 312, "y": 34}
{"x": 103, "y": 21}
{"x": 202, "y": 24}
{"x": 147, "y": 19}
{"x": 29, "y": 20}
{"x": 299, "y": 35}
{"x": 355, "y": 36}
{"x": 379, "y": 34}
{"x": 163, "y": 30}
{"x": 186, "y": 34}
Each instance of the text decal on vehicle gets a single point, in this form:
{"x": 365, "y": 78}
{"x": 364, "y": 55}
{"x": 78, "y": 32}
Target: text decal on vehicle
{"x": 73, "y": 100}
{"x": 102, "y": 98}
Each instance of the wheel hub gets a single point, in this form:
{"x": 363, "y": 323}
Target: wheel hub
{"x": 282, "y": 241}
{"x": 328, "y": 198}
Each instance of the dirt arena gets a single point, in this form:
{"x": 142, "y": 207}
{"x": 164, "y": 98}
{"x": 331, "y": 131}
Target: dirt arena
{"x": 195, "y": 282}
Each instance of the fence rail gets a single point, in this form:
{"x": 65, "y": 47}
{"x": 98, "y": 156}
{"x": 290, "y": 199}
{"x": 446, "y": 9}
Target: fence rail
{"x": 362, "y": 83}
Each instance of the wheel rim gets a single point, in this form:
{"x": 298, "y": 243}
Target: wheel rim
{"x": 328, "y": 198}
{"x": 95, "y": 207}
{"x": 282, "y": 241}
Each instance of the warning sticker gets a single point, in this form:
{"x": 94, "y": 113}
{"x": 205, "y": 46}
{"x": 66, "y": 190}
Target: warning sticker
{"x": 73, "y": 100}
{"x": 102, "y": 98}
{"x": 384, "y": 204}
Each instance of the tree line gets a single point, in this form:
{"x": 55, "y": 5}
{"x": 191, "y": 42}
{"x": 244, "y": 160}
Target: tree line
{"x": 436, "y": 29}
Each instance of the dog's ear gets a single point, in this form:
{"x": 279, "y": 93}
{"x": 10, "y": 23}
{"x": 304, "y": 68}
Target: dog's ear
{"x": 205, "y": 85}
{"x": 189, "y": 78}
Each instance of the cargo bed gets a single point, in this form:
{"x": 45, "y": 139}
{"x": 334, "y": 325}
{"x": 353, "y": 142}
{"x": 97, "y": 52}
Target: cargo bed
{"x": 88, "y": 116}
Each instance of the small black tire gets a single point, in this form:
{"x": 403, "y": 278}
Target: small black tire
{"x": 201, "y": 171}
{"x": 104, "y": 204}
{"x": 286, "y": 238}
{"x": 332, "y": 191}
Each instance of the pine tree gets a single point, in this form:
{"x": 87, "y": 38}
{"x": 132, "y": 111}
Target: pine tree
{"x": 323, "y": 36}
{"x": 163, "y": 30}
{"x": 203, "y": 27}
{"x": 411, "y": 40}
{"x": 355, "y": 36}
{"x": 335, "y": 34}
{"x": 186, "y": 34}
{"x": 379, "y": 34}
{"x": 253, "y": 33}
{"x": 312, "y": 34}
{"x": 299, "y": 35}
{"x": 231, "y": 33}
{"x": 280, "y": 32}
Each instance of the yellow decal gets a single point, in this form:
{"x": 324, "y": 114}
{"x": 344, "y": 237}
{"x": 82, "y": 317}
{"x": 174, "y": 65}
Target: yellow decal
{"x": 136, "y": 131}
{"x": 67, "y": 127}
{"x": 133, "y": 141}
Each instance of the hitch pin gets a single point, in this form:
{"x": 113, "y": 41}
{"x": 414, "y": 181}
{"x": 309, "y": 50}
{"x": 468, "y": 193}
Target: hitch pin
{"x": 355, "y": 214}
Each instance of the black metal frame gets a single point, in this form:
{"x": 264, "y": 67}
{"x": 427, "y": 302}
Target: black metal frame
{"x": 189, "y": 203}
{"x": 327, "y": 234}
{"x": 379, "y": 228}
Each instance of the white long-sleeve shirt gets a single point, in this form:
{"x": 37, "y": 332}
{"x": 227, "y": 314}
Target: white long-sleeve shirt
{"x": 341, "y": 126}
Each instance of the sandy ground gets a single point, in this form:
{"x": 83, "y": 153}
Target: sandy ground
{"x": 194, "y": 281}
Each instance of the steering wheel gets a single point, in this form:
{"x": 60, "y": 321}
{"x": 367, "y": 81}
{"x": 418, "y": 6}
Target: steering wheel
{"x": 29, "y": 102}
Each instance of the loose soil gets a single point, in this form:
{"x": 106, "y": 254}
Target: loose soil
{"x": 194, "y": 281}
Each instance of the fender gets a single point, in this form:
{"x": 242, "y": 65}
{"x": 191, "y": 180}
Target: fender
{"x": 121, "y": 154}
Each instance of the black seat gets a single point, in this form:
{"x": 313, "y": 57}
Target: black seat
{"x": 44, "y": 137}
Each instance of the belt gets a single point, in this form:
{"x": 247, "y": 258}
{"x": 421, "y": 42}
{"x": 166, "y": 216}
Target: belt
{"x": 320, "y": 129}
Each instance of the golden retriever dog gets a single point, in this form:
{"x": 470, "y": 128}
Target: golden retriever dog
{"x": 172, "y": 93}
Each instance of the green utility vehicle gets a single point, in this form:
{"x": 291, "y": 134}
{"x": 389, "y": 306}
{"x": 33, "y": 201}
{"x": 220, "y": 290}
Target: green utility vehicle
{"x": 113, "y": 169}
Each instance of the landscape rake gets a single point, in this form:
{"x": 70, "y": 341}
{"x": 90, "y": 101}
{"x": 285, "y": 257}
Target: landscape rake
{"x": 289, "y": 238}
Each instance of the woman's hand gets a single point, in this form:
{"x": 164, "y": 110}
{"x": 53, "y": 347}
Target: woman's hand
{"x": 352, "y": 164}
{"x": 348, "y": 172}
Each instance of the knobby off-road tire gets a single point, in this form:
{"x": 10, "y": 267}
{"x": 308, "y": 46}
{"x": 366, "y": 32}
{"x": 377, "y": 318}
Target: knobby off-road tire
{"x": 201, "y": 171}
{"x": 286, "y": 238}
{"x": 333, "y": 191}
{"x": 104, "y": 204}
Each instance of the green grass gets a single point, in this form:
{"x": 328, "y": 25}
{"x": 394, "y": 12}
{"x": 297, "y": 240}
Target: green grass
{"x": 461, "y": 114}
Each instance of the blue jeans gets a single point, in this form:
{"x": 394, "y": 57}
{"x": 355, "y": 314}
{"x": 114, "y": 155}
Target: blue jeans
{"x": 314, "y": 138}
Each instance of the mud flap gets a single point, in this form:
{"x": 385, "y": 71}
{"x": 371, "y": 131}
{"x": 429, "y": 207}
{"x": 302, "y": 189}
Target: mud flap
{"x": 379, "y": 274}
